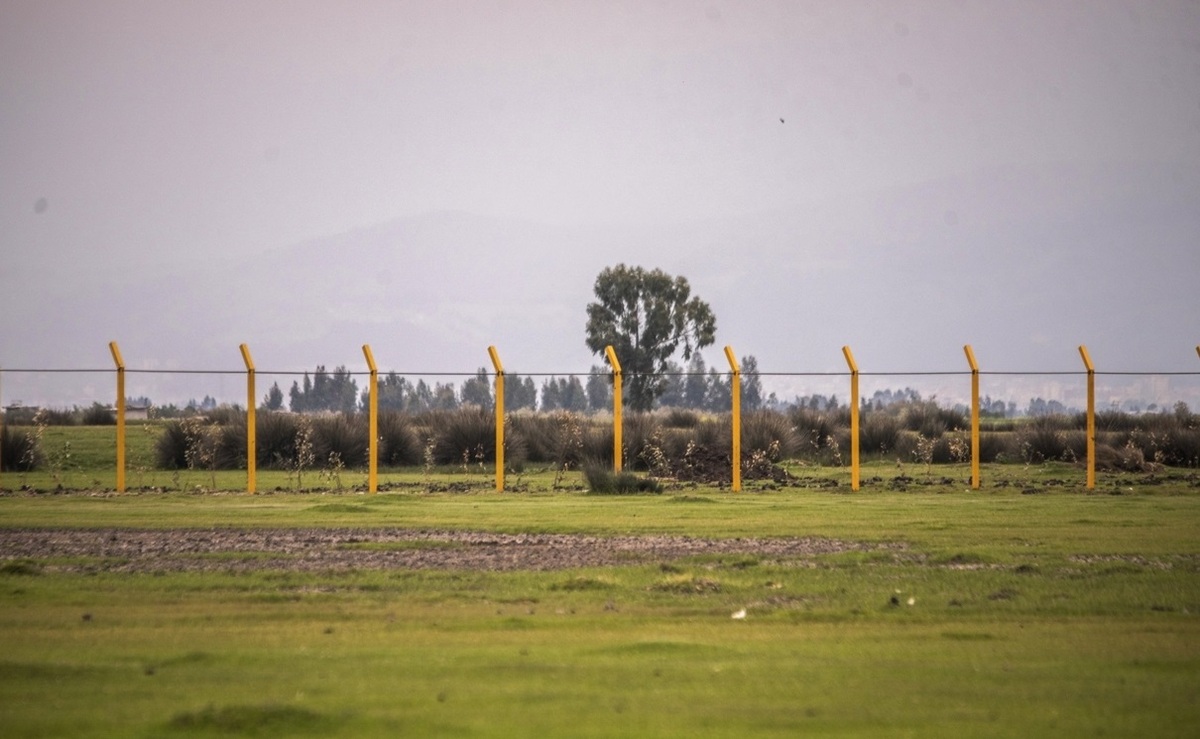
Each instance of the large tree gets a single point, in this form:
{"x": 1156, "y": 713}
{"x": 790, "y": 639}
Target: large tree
{"x": 647, "y": 316}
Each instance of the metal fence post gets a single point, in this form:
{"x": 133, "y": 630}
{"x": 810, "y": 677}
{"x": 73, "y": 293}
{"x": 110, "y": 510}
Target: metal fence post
{"x": 499, "y": 418}
{"x": 251, "y": 424}
{"x": 974, "y": 416}
{"x": 617, "y": 422}
{"x": 735, "y": 387}
{"x": 372, "y": 422}
{"x": 853, "y": 417}
{"x": 1091, "y": 416}
{"x": 116, "y": 355}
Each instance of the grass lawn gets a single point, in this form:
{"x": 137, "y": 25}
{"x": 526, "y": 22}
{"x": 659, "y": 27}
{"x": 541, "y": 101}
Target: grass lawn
{"x": 1030, "y": 608}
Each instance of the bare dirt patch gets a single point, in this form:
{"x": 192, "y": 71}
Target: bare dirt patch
{"x": 244, "y": 550}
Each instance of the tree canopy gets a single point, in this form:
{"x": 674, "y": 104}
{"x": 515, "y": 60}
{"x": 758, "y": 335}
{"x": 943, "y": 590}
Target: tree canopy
{"x": 647, "y": 316}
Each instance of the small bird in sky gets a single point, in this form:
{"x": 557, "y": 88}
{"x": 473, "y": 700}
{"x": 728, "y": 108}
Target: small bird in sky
{"x": 781, "y": 120}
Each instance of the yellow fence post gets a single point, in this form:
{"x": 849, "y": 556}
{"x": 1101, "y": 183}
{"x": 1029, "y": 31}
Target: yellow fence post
{"x": 617, "y": 423}
{"x": 735, "y": 386}
{"x": 372, "y": 422}
{"x": 251, "y": 424}
{"x": 974, "y": 415}
{"x": 853, "y": 417}
{"x": 1091, "y": 416}
{"x": 116, "y": 355}
{"x": 4, "y": 418}
{"x": 499, "y": 418}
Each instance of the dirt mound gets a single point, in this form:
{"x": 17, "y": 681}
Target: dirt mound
{"x": 710, "y": 465}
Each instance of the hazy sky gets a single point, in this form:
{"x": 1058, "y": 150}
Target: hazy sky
{"x": 158, "y": 135}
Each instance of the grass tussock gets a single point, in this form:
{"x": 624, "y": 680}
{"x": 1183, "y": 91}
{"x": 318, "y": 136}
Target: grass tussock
{"x": 604, "y": 481}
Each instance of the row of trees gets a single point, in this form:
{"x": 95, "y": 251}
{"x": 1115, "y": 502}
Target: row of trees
{"x": 698, "y": 387}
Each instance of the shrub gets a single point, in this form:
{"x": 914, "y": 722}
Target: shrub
{"x": 170, "y": 449}
{"x": 340, "y": 437}
{"x": 603, "y": 481}
{"x": 995, "y": 446}
{"x": 231, "y": 447}
{"x": 60, "y": 417}
{"x": 715, "y": 433}
{"x": 192, "y": 443}
{"x": 769, "y": 432}
{"x": 19, "y": 450}
{"x": 1169, "y": 444}
{"x": 541, "y": 434}
{"x": 878, "y": 432}
{"x": 275, "y": 438}
{"x": 1050, "y": 438}
{"x": 224, "y": 415}
{"x": 1114, "y": 420}
{"x": 815, "y": 428}
{"x": 399, "y": 445}
{"x": 1127, "y": 458}
{"x": 641, "y": 439}
{"x": 598, "y": 443}
{"x": 467, "y": 436}
{"x": 930, "y": 420}
{"x": 98, "y": 415}
{"x": 680, "y": 418}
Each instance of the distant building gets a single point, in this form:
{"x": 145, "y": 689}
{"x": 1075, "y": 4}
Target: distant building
{"x": 20, "y": 414}
{"x": 137, "y": 412}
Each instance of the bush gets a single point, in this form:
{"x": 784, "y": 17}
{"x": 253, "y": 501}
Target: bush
{"x": 769, "y": 432}
{"x": 598, "y": 443}
{"x": 680, "y": 418}
{"x": 641, "y": 439}
{"x": 399, "y": 445}
{"x": 996, "y": 446}
{"x": 603, "y": 481}
{"x": 463, "y": 436}
{"x": 543, "y": 434}
{"x": 275, "y": 438}
{"x": 1051, "y": 438}
{"x": 341, "y": 437}
{"x": 815, "y": 428}
{"x": 170, "y": 449}
{"x": 19, "y": 450}
{"x": 231, "y": 447}
{"x": 61, "y": 417}
{"x": 878, "y": 433}
{"x": 193, "y": 443}
{"x": 98, "y": 415}
{"x": 467, "y": 436}
{"x": 930, "y": 420}
{"x": 223, "y": 415}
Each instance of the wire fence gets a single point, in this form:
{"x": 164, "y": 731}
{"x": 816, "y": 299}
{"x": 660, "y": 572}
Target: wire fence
{"x": 1024, "y": 392}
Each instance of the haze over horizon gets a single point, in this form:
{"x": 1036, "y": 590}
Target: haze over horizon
{"x": 434, "y": 177}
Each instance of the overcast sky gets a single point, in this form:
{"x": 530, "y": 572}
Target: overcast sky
{"x": 158, "y": 135}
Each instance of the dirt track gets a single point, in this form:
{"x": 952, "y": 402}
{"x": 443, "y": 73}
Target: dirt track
{"x": 243, "y": 550}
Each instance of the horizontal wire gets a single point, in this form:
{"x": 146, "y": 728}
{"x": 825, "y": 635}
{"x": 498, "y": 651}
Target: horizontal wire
{"x": 625, "y": 373}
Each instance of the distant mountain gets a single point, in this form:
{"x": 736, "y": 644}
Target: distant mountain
{"x": 1023, "y": 264}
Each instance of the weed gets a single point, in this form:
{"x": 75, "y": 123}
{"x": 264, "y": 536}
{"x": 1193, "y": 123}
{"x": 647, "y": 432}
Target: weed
{"x": 569, "y": 443}
{"x": 653, "y": 456}
{"x": 924, "y": 453}
{"x": 305, "y": 456}
{"x": 333, "y": 470}
{"x": 202, "y": 442}
{"x": 428, "y": 458}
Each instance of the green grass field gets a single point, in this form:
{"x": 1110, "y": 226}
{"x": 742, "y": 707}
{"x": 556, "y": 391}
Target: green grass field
{"x": 1027, "y": 609}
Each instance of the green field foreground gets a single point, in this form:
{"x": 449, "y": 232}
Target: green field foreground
{"x": 1010, "y": 611}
